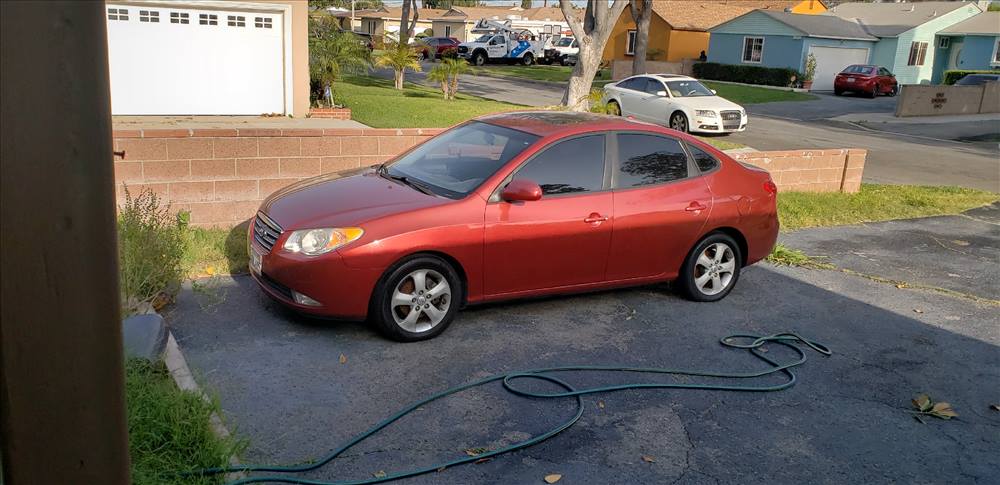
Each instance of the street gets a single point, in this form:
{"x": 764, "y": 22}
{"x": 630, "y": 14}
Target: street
{"x": 892, "y": 158}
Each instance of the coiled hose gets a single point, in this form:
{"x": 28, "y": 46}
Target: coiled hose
{"x": 753, "y": 344}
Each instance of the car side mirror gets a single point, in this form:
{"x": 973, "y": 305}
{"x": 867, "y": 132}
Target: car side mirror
{"x": 714, "y": 91}
{"x": 661, "y": 94}
{"x": 521, "y": 190}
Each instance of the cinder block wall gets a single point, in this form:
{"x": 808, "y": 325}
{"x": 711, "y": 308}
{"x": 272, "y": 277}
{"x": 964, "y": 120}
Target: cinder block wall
{"x": 222, "y": 175}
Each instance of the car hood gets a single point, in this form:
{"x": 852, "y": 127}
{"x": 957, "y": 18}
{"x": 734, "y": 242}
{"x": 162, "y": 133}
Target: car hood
{"x": 343, "y": 199}
{"x": 707, "y": 102}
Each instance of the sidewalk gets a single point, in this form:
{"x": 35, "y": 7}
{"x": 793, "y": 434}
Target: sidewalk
{"x": 914, "y": 120}
{"x": 238, "y": 122}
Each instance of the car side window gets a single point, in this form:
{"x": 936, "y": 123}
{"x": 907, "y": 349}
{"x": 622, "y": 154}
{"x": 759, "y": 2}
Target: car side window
{"x": 575, "y": 165}
{"x": 635, "y": 84}
{"x": 649, "y": 159}
{"x": 704, "y": 161}
{"x": 653, "y": 86}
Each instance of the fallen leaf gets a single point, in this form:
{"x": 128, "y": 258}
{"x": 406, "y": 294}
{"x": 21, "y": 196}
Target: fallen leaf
{"x": 943, "y": 410}
{"x": 343, "y": 359}
{"x": 922, "y": 402}
{"x": 553, "y": 478}
{"x": 917, "y": 310}
{"x": 475, "y": 451}
{"x": 600, "y": 404}
{"x": 648, "y": 459}
{"x": 481, "y": 461}
{"x": 441, "y": 469}
{"x": 995, "y": 407}
{"x": 901, "y": 285}
{"x": 961, "y": 242}
{"x": 379, "y": 474}
{"x": 210, "y": 270}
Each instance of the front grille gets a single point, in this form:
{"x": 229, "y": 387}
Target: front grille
{"x": 265, "y": 231}
{"x": 731, "y": 119}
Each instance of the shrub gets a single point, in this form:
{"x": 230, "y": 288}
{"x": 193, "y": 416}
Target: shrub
{"x": 951, "y": 77}
{"x": 767, "y": 76}
{"x": 150, "y": 247}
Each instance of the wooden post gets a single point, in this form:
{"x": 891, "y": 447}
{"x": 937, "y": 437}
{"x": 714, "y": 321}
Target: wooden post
{"x": 62, "y": 409}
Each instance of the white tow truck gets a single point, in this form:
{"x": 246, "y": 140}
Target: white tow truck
{"x": 500, "y": 43}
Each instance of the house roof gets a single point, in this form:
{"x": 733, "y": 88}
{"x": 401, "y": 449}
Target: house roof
{"x": 892, "y": 19}
{"x": 823, "y": 25}
{"x": 394, "y": 13}
{"x": 473, "y": 14}
{"x": 688, "y": 15}
{"x": 986, "y": 23}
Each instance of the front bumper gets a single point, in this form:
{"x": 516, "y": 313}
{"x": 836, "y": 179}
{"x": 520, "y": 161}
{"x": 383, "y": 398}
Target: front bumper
{"x": 716, "y": 125}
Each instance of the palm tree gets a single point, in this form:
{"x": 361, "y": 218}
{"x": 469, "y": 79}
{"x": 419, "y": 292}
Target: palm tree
{"x": 447, "y": 73}
{"x": 333, "y": 53}
{"x": 399, "y": 57}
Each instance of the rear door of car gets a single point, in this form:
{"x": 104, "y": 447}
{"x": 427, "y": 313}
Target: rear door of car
{"x": 632, "y": 93}
{"x": 661, "y": 205}
{"x": 561, "y": 239}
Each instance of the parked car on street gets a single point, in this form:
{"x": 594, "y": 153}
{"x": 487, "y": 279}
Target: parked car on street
{"x": 565, "y": 50}
{"x": 436, "y": 47}
{"x": 500, "y": 43}
{"x": 680, "y": 102}
{"x": 976, "y": 79}
{"x": 513, "y": 205}
{"x": 865, "y": 79}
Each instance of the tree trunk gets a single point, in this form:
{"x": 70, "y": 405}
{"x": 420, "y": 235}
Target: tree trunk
{"x": 444, "y": 89}
{"x": 592, "y": 34}
{"x": 642, "y": 15}
{"x": 454, "y": 87}
{"x": 582, "y": 78}
{"x": 399, "y": 79}
{"x": 406, "y": 24}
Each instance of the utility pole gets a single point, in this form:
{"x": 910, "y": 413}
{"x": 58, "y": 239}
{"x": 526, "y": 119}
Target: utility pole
{"x": 62, "y": 405}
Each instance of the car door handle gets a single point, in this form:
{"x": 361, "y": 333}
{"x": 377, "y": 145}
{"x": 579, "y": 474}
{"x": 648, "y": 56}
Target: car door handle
{"x": 595, "y": 218}
{"x": 695, "y": 207}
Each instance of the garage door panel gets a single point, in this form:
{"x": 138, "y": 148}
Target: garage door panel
{"x": 832, "y": 60}
{"x": 167, "y": 68}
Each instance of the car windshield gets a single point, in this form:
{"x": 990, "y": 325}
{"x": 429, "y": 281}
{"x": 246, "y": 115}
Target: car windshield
{"x": 859, "y": 70}
{"x": 685, "y": 89}
{"x": 456, "y": 162}
{"x": 565, "y": 42}
{"x": 484, "y": 38}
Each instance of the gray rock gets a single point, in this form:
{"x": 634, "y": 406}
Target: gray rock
{"x": 145, "y": 336}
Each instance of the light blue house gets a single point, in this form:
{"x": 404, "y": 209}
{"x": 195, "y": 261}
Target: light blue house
{"x": 973, "y": 44}
{"x": 782, "y": 39}
{"x": 907, "y": 33}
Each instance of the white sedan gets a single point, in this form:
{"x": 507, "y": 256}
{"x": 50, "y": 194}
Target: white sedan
{"x": 680, "y": 102}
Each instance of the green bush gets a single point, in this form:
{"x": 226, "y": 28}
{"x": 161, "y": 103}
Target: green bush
{"x": 951, "y": 77}
{"x": 767, "y": 76}
{"x": 150, "y": 247}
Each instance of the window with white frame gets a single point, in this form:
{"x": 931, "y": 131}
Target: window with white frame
{"x": 262, "y": 22}
{"x": 149, "y": 16}
{"x": 996, "y": 53}
{"x": 118, "y": 14}
{"x": 179, "y": 18}
{"x": 944, "y": 42}
{"x": 630, "y": 44}
{"x": 918, "y": 53}
{"x": 236, "y": 21}
{"x": 753, "y": 49}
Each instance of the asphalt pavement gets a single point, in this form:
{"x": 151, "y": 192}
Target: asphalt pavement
{"x": 296, "y": 387}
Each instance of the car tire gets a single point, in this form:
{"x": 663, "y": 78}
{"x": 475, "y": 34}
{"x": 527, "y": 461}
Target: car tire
{"x": 411, "y": 323}
{"x": 837, "y": 92}
{"x": 874, "y": 92}
{"x": 528, "y": 59}
{"x": 479, "y": 58}
{"x": 614, "y": 109}
{"x": 894, "y": 91}
{"x": 562, "y": 61}
{"x": 679, "y": 122}
{"x": 711, "y": 269}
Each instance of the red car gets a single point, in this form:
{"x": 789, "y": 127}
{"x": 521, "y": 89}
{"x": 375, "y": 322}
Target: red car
{"x": 865, "y": 79}
{"x": 435, "y": 47}
{"x": 508, "y": 206}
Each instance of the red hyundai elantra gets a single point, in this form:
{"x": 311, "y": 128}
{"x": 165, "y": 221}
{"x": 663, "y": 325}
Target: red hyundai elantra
{"x": 509, "y": 206}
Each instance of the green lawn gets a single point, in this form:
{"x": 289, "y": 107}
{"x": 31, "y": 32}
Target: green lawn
{"x": 720, "y": 143}
{"x": 751, "y": 95}
{"x": 374, "y": 102}
{"x": 558, "y": 74}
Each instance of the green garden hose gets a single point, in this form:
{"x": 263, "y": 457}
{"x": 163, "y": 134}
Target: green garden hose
{"x": 755, "y": 343}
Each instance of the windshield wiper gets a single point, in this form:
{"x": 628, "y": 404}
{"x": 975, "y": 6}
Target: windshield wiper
{"x": 383, "y": 171}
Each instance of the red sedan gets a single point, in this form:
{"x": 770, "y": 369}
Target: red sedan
{"x": 508, "y": 206}
{"x": 436, "y": 47}
{"x": 868, "y": 80}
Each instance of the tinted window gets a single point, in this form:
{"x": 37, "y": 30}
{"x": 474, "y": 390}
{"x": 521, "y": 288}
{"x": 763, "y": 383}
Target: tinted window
{"x": 636, "y": 83}
{"x": 649, "y": 159}
{"x": 884, "y": 72}
{"x": 653, "y": 86}
{"x": 456, "y": 162}
{"x": 705, "y": 162}
{"x": 575, "y": 165}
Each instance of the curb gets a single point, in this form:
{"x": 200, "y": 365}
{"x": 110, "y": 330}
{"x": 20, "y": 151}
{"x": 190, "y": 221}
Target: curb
{"x": 181, "y": 373}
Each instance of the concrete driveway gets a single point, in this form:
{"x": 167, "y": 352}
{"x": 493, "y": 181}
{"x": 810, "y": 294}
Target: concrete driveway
{"x": 282, "y": 384}
{"x": 827, "y": 105}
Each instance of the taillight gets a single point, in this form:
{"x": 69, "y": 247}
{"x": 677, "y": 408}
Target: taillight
{"x": 770, "y": 187}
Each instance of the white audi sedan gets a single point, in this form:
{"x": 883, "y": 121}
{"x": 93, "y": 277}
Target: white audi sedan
{"x": 679, "y": 102}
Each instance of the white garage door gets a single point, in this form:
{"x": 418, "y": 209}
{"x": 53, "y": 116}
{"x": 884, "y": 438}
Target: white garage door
{"x": 178, "y": 61}
{"x": 831, "y": 60}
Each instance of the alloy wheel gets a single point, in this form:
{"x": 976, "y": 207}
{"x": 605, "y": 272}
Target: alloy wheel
{"x": 420, "y": 301}
{"x": 679, "y": 122}
{"x": 714, "y": 268}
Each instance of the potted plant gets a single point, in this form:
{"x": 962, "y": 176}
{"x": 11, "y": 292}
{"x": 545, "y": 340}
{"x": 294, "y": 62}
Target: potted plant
{"x": 807, "y": 77}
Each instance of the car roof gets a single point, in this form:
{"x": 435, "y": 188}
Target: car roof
{"x": 664, "y": 77}
{"x": 557, "y": 123}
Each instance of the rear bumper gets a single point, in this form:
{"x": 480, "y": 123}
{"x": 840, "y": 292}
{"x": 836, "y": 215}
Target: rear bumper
{"x": 857, "y": 85}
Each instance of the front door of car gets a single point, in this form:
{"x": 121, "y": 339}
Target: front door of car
{"x": 561, "y": 239}
{"x": 661, "y": 206}
{"x": 886, "y": 79}
{"x": 632, "y": 92}
{"x": 497, "y": 46}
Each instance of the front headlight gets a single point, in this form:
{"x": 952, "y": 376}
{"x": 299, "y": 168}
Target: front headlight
{"x": 313, "y": 242}
{"x": 704, "y": 112}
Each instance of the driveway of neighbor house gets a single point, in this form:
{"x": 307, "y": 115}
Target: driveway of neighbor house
{"x": 282, "y": 384}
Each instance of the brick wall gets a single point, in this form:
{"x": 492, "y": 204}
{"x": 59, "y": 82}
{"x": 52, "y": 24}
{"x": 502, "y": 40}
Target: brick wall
{"x": 222, "y": 175}
{"x": 837, "y": 170}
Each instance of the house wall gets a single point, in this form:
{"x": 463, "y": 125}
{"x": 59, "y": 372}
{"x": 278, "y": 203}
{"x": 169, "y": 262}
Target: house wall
{"x": 659, "y": 36}
{"x": 459, "y": 30}
{"x": 373, "y": 26}
{"x": 924, "y": 33}
{"x": 686, "y": 44}
{"x": 884, "y": 53}
{"x": 779, "y": 51}
{"x": 977, "y": 52}
{"x": 943, "y": 55}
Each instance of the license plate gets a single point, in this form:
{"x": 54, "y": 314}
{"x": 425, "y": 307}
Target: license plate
{"x": 850, "y": 79}
{"x": 256, "y": 261}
